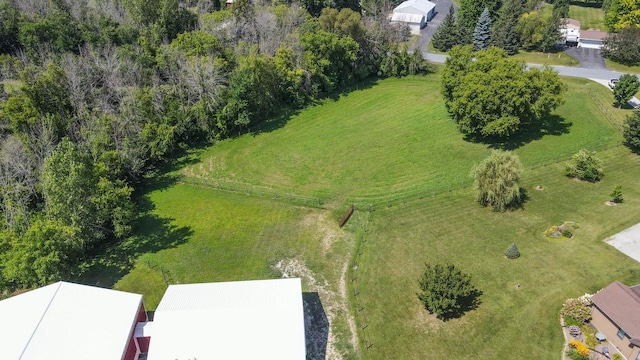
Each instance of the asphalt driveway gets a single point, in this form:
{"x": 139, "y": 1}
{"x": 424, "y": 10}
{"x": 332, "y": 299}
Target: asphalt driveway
{"x": 588, "y": 58}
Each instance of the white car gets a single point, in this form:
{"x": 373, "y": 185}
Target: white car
{"x": 613, "y": 82}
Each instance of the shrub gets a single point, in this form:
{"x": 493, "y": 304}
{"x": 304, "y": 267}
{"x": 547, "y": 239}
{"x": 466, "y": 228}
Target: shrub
{"x": 616, "y": 194}
{"x": 589, "y": 336}
{"x": 575, "y": 355}
{"x": 579, "y": 309}
{"x": 446, "y": 291}
{"x": 574, "y": 330}
{"x": 567, "y": 233}
{"x": 617, "y": 356}
{"x": 570, "y": 321}
{"x": 512, "y": 252}
{"x": 551, "y": 232}
{"x": 585, "y": 166}
{"x": 580, "y": 347}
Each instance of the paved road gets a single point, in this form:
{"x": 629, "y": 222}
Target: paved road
{"x": 601, "y": 74}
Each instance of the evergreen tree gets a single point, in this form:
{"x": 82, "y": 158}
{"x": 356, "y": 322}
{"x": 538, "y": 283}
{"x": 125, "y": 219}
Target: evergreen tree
{"x": 551, "y": 34}
{"x": 446, "y": 291}
{"x": 482, "y": 34}
{"x": 505, "y": 34}
{"x": 512, "y": 252}
{"x": 561, "y": 7}
{"x": 447, "y": 35}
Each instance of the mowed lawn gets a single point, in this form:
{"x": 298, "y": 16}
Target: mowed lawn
{"x": 394, "y": 138}
{"x": 390, "y": 139}
{"x": 589, "y": 17}
{"x": 510, "y": 323}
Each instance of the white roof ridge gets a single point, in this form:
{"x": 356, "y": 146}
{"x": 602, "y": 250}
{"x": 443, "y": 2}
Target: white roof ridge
{"x": 26, "y": 345}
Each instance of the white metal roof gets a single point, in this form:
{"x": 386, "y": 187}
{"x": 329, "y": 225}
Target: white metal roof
{"x": 260, "y": 319}
{"x": 422, "y": 7}
{"x": 407, "y": 18}
{"x": 67, "y": 321}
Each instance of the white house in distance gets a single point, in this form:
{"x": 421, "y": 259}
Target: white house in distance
{"x": 65, "y": 321}
{"x": 414, "y": 13}
{"x": 261, "y": 319}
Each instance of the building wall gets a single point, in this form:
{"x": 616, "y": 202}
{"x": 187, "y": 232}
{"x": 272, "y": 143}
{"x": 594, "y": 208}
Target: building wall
{"x": 131, "y": 353}
{"x": 590, "y": 44}
{"x": 610, "y": 330}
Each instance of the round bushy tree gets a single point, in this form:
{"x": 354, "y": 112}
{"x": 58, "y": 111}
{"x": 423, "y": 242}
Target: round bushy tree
{"x": 497, "y": 180}
{"x": 632, "y": 131}
{"x": 446, "y": 291}
{"x": 585, "y": 166}
{"x": 626, "y": 88}
{"x": 512, "y": 252}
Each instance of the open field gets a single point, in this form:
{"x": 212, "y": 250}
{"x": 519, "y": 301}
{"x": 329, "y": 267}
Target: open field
{"x": 510, "y": 323}
{"x": 589, "y": 17}
{"x": 212, "y": 236}
{"x": 370, "y": 145}
{"x": 392, "y": 145}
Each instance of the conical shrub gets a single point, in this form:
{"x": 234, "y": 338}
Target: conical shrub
{"x": 512, "y": 252}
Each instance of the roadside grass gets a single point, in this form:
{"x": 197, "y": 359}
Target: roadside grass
{"x": 552, "y": 58}
{"x": 622, "y": 68}
{"x": 377, "y": 144}
{"x": 510, "y": 322}
{"x": 589, "y": 17}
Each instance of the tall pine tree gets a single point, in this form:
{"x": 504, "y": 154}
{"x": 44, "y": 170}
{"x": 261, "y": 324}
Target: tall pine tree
{"x": 447, "y": 35}
{"x": 505, "y": 34}
{"x": 482, "y": 34}
{"x": 551, "y": 34}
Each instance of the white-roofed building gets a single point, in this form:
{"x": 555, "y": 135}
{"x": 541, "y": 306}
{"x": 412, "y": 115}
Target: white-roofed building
{"x": 68, "y": 321}
{"x": 414, "y": 13}
{"x": 261, "y": 319}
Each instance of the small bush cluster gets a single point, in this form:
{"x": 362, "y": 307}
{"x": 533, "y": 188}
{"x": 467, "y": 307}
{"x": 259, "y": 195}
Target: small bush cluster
{"x": 578, "y": 309}
{"x": 580, "y": 347}
{"x": 585, "y": 166}
{"x": 512, "y": 252}
{"x": 589, "y": 336}
{"x": 566, "y": 230}
{"x": 616, "y": 194}
{"x": 574, "y": 330}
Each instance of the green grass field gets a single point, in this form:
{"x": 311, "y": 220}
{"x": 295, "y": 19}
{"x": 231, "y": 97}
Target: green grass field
{"x": 589, "y": 17}
{"x": 392, "y": 145}
{"x": 537, "y": 57}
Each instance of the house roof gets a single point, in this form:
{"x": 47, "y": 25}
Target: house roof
{"x": 67, "y": 321}
{"x": 571, "y": 23}
{"x": 407, "y": 18}
{"x": 593, "y": 35}
{"x": 261, "y": 319}
{"x": 621, "y": 304}
{"x": 422, "y": 7}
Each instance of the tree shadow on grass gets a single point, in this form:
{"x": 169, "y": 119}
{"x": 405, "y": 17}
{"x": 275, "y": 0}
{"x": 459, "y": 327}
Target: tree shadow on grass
{"x": 553, "y": 125}
{"x": 151, "y": 233}
{"x": 316, "y": 326}
{"x": 467, "y": 304}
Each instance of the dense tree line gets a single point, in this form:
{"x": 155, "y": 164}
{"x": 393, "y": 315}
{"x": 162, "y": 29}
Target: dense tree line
{"x": 510, "y": 25}
{"x": 97, "y": 95}
{"x": 622, "y": 19}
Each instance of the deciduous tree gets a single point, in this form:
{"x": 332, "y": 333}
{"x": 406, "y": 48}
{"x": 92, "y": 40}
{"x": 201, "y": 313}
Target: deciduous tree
{"x": 585, "y": 165}
{"x": 632, "y": 130}
{"x": 624, "y": 89}
{"x": 624, "y": 46}
{"x": 497, "y": 181}
{"x": 496, "y": 95}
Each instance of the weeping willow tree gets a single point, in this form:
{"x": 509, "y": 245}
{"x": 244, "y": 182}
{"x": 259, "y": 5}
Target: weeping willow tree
{"x": 497, "y": 180}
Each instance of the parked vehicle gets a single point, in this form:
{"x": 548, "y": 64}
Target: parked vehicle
{"x": 613, "y": 82}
